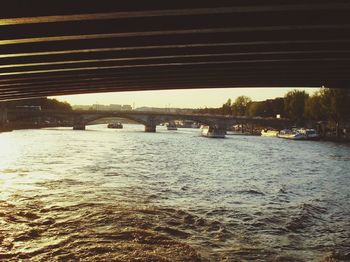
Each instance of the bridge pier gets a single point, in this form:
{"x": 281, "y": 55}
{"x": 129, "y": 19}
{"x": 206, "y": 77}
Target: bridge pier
{"x": 220, "y": 128}
{"x": 251, "y": 128}
{"x": 78, "y": 123}
{"x": 150, "y": 128}
{"x": 4, "y": 123}
{"x": 79, "y": 127}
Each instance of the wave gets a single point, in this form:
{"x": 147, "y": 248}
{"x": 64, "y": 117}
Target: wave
{"x": 251, "y": 192}
{"x": 307, "y": 216}
{"x": 94, "y": 232}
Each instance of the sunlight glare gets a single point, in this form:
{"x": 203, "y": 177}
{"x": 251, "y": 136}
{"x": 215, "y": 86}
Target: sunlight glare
{"x": 9, "y": 151}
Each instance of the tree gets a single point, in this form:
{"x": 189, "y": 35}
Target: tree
{"x": 240, "y": 106}
{"x": 274, "y": 107}
{"x": 257, "y": 109}
{"x": 294, "y": 105}
{"x": 226, "y": 108}
{"x": 315, "y": 108}
{"x": 267, "y": 108}
{"x": 45, "y": 103}
{"x": 337, "y": 101}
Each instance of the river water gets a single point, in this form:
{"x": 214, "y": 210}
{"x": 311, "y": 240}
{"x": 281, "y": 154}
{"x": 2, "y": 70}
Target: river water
{"x": 126, "y": 195}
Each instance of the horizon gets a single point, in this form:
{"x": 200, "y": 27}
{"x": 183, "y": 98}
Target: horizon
{"x": 179, "y": 98}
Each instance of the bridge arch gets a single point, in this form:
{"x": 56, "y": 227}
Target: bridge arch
{"x": 89, "y": 119}
{"x": 149, "y": 121}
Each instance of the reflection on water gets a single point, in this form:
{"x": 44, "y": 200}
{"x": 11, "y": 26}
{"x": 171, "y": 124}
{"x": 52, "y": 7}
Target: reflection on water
{"x": 127, "y": 195}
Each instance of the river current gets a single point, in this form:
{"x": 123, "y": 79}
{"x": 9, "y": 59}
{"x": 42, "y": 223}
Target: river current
{"x": 126, "y": 195}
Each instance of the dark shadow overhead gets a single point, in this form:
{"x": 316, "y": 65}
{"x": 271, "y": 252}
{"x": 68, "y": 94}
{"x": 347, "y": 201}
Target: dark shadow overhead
{"x": 74, "y": 47}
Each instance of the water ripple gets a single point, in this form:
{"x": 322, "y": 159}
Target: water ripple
{"x": 128, "y": 196}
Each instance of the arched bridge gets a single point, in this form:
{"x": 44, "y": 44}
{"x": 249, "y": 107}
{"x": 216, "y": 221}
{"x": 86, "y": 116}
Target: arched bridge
{"x": 151, "y": 119}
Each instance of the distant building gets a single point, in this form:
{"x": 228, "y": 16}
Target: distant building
{"x": 164, "y": 110}
{"x": 127, "y": 107}
{"x": 115, "y": 107}
{"x": 81, "y": 107}
{"x": 99, "y": 107}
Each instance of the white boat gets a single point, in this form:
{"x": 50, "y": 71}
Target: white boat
{"x": 171, "y": 126}
{"x": 289, "y": 134}
{"x": 309, "y": 133}
{"x": 115, "y": 125}
{"x": 209, "y": 131}
{"x": 268, "y": 132}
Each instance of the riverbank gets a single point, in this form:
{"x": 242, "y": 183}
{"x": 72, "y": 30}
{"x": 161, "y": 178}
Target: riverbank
{"x": 336, "y": 139}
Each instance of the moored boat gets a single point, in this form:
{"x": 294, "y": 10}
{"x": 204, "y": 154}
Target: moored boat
{"x": 289, "y": 134}
{"x": 268, "y": 132}
{"x": 309, "y": 133}
{"x": 209, "y": 131}
{"x": 115, "y": 125}
{"x": 171, "y": 126}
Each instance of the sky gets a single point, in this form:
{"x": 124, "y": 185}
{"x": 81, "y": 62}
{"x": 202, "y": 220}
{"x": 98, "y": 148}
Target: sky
{"x": 180, "y": 98}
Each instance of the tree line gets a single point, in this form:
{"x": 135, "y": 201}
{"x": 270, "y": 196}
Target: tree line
{"x": 325, "y": 104}
{"x": 44, "y": 103}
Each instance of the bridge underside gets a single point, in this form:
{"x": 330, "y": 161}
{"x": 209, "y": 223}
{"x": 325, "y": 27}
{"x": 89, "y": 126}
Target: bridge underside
{"x": 73, "y": 47}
